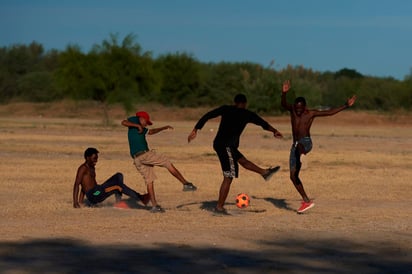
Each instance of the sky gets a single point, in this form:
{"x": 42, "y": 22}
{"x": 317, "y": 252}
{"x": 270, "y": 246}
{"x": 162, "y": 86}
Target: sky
{"x": 370, "y": 36}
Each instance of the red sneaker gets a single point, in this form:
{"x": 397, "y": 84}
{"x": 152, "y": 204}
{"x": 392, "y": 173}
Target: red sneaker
{"x": 305, "y": 206}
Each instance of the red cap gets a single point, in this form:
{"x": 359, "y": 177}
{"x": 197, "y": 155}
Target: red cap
{"x": 144, "y": 115}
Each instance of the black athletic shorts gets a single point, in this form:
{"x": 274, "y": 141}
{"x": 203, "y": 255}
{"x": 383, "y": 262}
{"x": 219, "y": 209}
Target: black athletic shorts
{"x": 228, "y": 157}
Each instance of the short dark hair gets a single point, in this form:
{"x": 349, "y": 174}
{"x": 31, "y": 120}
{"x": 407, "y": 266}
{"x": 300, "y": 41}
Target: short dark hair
{"x": 300, "y": 100}
{"x": 90, "y": 151}
{"x": 240, "y": 98}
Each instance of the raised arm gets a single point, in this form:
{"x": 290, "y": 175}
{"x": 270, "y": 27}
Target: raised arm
{"x": 351, "y": 101}
{"x": 285, "y": 89}
{"x": 333, "y": 111}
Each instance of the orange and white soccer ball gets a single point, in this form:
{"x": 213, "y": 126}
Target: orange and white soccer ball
{"x": 242, "y": 200}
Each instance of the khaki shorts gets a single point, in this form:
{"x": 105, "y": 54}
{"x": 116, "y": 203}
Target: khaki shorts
{"x": 146, "y": 162}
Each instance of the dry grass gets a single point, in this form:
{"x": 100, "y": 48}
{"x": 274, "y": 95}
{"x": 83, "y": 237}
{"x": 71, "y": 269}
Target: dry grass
{"x": 358, "y": 173}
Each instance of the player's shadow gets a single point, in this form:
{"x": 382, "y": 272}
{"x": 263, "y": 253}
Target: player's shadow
{"x": 125, "y": 203}
{"x": 205, "y": 205}
{"x": 208, "y": 205}
{"x": 211, "y": 205}
{"x": 279, "y": 203}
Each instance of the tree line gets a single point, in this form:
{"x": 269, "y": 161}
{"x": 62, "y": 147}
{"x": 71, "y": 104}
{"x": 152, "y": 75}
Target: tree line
{"x": 119, "y": 71}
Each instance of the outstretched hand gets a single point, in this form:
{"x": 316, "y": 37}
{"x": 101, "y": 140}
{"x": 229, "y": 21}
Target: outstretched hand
{"x": 286, "y": 86}
{"x": 351, "y": 101}
{"x": 192, "y": 135}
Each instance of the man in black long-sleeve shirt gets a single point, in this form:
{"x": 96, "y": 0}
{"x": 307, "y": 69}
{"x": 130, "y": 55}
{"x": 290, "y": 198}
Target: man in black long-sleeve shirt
{"x": 234, "y": 119}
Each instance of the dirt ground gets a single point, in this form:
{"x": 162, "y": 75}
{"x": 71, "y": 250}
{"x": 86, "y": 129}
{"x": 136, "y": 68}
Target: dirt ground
{"x": 358, "y": 174}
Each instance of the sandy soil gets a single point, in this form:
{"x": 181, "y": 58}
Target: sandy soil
{"x": 358, "y": 175}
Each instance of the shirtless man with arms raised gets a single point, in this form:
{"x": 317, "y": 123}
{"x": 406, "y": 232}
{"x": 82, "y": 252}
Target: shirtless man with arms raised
{"x": 301, "y": 119}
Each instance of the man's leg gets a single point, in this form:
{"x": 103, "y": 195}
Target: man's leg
{"x": 298, "y": 185}
{"x": 187, "y": 186}
{"x": 266, "y": 173}
{"x": 294, "y": 175}
{"x": 147, "y": 172}
{"x": 176, "y": 173}
{"x": 131, "y": 193}
{"x": 151, "y": 192}
{"x": 112, "y": 186}
{"x": 136, "y": 195}
{"x": 152, "y": 158}
{"x": 155, "y": 207}
{"x": 118, "y": 180}
{"x": 251, "y": 166}
{"x": 223, "y": 192}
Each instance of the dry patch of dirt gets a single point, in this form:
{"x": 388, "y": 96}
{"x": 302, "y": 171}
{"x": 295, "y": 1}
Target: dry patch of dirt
{"x": 358, "y": 173}
{"x": 93, "y": 110}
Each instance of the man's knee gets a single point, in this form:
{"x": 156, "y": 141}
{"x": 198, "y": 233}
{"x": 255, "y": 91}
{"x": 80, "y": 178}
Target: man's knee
{"x": 294, "y": 176}
{"x": 169, "y": 166}
{"x": 119, "y": 177}
{"x": 227, "y": 180}
{"x": 243, "y": 161}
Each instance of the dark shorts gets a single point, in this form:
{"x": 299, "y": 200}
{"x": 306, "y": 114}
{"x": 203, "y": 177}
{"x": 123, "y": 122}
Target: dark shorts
{"x": 113, "y": 185}
{"x": 96, "y": 195}
{"x": 307, "y": 144}
{"x": 228, "y": 157}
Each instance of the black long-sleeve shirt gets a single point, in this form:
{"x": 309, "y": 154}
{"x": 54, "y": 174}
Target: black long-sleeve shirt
{"x": 233, "y": 122}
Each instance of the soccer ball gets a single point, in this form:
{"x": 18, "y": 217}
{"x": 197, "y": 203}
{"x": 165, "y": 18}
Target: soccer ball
{"x": 242, "y": 200}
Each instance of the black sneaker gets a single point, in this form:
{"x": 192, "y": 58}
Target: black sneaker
{"x": 270, "y": 172}
{"x": 189, "y": 187}
{"x": 157, "y": 209}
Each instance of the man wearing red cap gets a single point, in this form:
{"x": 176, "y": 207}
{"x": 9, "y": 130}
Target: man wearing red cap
{"x": 145, "y": 159}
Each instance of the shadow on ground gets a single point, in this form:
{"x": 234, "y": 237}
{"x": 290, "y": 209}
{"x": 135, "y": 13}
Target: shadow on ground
{"x": 285, "y": 256}
{"x": 279, "y": 203}
{"x": 210, "y": 205}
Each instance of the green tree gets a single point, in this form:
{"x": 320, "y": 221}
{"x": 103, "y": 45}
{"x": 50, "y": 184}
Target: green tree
{"x": 180, "y": 78}
{"x": 25, "y": 75}
{"x": 118, "y": 71}
{"x": 221, "y": 82}
{"x": 110, "y": 73}
{"x": 262, "y": 86}
{"x": 406, "y": 92}
{"x": 37, "y": 87}
{"x": 348, "y": 73}
{"x": 380, "y": 94}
